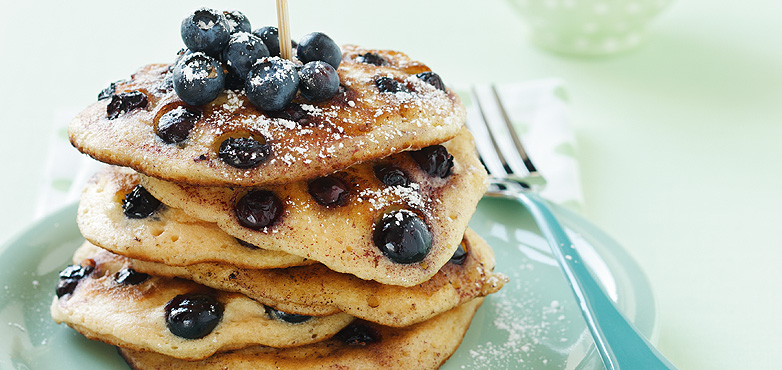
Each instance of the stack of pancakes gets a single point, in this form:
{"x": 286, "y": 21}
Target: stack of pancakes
{"x": 300, "y": 261}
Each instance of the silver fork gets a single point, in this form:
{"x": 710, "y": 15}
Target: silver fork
{"x": 513, "y": 176}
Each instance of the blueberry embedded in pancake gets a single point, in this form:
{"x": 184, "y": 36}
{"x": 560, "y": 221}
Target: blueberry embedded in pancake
{"x": 71, "y": 276}
{"x": 403, "y": 237}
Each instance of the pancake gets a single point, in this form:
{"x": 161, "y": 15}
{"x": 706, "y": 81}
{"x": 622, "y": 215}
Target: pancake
{"x": 167, "y": 236}
{"x": 307, "y": 140}
{"x": 425, "y": 346}
{"x": 342, "y": 236}
{"x": 133, "y": 314}
{"x": 316, "y": 290}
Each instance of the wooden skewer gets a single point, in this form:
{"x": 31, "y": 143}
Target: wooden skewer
{"x": 284, "y": 30}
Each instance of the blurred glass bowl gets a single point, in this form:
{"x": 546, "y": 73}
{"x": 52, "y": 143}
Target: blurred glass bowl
{"x": 588, "y": 27}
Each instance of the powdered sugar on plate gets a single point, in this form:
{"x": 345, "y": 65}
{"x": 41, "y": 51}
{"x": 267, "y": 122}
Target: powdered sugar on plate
{"x": 526, "y": 321}
{"x": 533, "y": 322}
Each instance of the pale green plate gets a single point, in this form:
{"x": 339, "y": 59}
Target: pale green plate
{"x": 532, "y": 323}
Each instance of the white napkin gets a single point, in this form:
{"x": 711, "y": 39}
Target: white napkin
{"x": 539, "y": 109}
{"x": 66, "y": 170}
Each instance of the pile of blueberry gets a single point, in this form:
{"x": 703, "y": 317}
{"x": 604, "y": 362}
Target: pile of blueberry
{"x": 222, "y": 52}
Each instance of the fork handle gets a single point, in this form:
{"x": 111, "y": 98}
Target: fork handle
{"x": 620, "y": 344}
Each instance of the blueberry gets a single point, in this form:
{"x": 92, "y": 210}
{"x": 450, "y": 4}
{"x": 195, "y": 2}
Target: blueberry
{"x": 242, "y": 51}
{"x": 358, "y": 334}
{"x": 272, "y": 83}
{"x": 205, "y": 30}
{"x": 108, "y": 91}
{"x": 175, "y": 125}
{"x": 258, "y": 209}
{"x": 129, "y": 276}
{"x": 233, "y": 81}
{"x": 318, "y": 81}
{"x": 76, "y": 272}
{"x": 198, "y": 78}
{"x": 139, "y": 203}
{"x": 403, "y": 237}
{"x": 270, "y": 37}
{"x": 390, "y": 85}
{"x": 193, "y": 316}
{"x": 70, "y": 277}
{"x": 287, "y": 317}
{"x": 243, "y": 152}
{"x": 459, "y": 256}
{"x": 179, "y": 55}
{"x": 434, "y": 160}
{"x": 329, "y": 191}
{"x": 371, "y": 58}
{"x": 166, "y": 84}
{"x": 65, "y": 286}
{"x": 391, "y": 176}
{"x": 237, "y": 21}
{"x": 318, "y": 46}
{"x": 432, "y": 79}
{"x": 293, "y": 112}
{"x": 125, "y": 102}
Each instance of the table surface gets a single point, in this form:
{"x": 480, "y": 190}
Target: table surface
{"x": 678, "y": 140}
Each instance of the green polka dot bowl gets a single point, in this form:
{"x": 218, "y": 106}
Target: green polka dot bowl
{"x": 588, "y": 27}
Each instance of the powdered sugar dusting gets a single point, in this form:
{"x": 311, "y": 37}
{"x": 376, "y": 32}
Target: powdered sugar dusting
{"x": 233, "y": 101}
{"x": 382, "y": 198}
{"x": 240, "y": 37}
{"x": 281, "y": 71}
{"x": 192, "y": 74}
{"x": 18, "y": 326}
{"x": 526, "y": 327}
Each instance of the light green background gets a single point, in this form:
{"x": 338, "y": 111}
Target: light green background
{"x": 678, "y": 141}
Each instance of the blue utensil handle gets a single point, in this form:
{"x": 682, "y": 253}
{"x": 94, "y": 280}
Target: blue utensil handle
{"x": 620, "y": 344}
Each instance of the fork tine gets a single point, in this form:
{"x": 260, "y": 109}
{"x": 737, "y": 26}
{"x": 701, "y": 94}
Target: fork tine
{"x": 476, "y": 122}
{"x": 501, "y": 135}
{"x": 516, "y": 140}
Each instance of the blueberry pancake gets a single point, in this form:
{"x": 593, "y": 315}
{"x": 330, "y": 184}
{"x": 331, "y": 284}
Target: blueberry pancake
{"x": 116, "y": 214}
{"x": 361, "y": 345}
{"x": 104, "y": 299}
{"x": 377, "y": 110}
{"x": 316, "y": 290}
{"x": 395, "y": 220}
